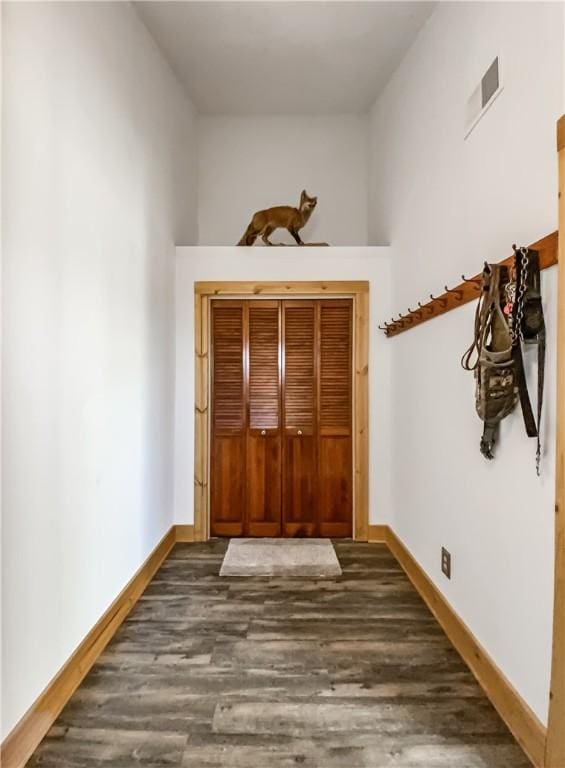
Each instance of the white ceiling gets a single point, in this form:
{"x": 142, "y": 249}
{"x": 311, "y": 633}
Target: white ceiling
{"x": 284, "y": 57}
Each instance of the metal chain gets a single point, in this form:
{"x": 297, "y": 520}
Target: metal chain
{"x": 517, "y": 330}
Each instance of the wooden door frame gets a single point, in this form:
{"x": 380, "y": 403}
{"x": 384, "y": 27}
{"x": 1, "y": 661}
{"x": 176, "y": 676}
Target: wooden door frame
{"x": 555, "y": 743}
{"x": 358, "y": 290}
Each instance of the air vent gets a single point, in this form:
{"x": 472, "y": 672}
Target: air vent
{"x": 483, "y": 96}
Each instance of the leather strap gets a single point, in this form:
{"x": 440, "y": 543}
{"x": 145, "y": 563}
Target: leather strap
{"x": 541, "y": 376}
{"x": 533, "y": 425}
{"x": 527, "y": 412}
{"x": 489, "y": 438}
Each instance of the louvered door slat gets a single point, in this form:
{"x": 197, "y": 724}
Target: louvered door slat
{"x": 264, "y": 373}
{"x": 227, "y": 340}
{"x": 227, "y": 493}
{"x": 299, "y": 362}
{"x": 335, "y": 366}
{"x": 299, "y": 409}
{"x": 335, "y": 497}
{"x": 264, "y": 438}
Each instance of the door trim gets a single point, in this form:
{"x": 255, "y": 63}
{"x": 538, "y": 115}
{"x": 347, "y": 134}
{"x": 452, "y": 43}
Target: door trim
{"x": 358, "y": 290}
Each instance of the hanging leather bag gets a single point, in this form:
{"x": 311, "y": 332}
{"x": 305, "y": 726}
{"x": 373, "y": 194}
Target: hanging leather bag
{"x": 496, "y": 390}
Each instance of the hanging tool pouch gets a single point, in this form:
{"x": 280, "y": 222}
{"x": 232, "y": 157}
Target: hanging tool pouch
{"x": 528, "y": 327}
{"x": 496, "y": 391}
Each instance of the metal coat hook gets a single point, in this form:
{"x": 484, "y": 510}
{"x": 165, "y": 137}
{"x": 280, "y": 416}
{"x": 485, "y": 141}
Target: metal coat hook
{"x": 427, "y": 307}
{"x": 474, "y": 280}
{"x": 443, "y": 302}
{"x": 454, "y": 290}
{"x": 462, "y": 293}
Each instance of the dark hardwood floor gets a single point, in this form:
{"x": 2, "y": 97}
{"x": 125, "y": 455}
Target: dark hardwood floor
{"x": 270, "y": 673}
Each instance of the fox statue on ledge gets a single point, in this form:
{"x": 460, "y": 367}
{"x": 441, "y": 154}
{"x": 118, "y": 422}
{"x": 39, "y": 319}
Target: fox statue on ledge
{"x": 265, "y": 222}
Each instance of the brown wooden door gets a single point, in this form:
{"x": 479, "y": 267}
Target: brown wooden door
{"x": 228, "y": 448}
{"x": 281, "y": 443}
{"x": 264, "y": 419}
{"x": 299, "y": 418}
{"x": 335, "y": 460}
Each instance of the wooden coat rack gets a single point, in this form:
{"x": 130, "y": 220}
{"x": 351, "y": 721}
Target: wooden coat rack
{"x": 466, "y": 291}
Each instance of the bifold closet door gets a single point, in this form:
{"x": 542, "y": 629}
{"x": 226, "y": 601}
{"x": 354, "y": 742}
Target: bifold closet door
{"x": 263, "y": 490}
{"x": 245, "y": 496}
{"x": 335, "y": 441}
{"x": 228, "y": 402}
{"x": 281, "y": 422}
{"x": 300, "y": 508}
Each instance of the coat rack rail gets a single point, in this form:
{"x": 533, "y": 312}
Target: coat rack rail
{"x": 466, "y": 291}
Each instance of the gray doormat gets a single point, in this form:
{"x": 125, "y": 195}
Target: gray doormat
{"x": 292, "y": 558}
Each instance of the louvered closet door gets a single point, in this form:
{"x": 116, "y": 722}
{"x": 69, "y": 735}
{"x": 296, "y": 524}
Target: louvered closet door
{"x": 228, "y": 439}
{"x": 335, "y": 495}
{"x": 264, "y": 420}
{"x": 299, "y": 419}
{"x": 281, "y": 443}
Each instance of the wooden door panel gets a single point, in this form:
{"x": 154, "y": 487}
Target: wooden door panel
{"x": 264, "y": 365}
{"x": 264, "y": 485}
{"x": 299, "y": 491}
{"x": 264, "y": 422}
{"x": 228, "y": 485}
{"x": 335, "y": 365}
{"x": 227, "y": 466}
{"x": 299, "y": 418}
{"x": 335, "y": 485}
{"x": 281, "y": 453}
{"x": 228, "y": 405}
{"x": 299, "y": 382}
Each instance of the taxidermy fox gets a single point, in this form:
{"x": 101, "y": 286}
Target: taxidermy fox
{"x": 265, "y": 222}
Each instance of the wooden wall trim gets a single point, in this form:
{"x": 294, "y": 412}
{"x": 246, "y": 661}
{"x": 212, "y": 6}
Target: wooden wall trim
{"x": 203, "y": 292}
{"x": 528, "y": 731}
{"x": 561, "y": 138}
{"x": 466, "y": 291}
{"x": 555, "y": 751}
{"x": 184, "y": 533}
{"x": 201, "y": 416}
{"x": 26, "y": 736}
{"x": 378, "y": 534}
{"x": 281, "y": 288}
{"x": 361, "y": 416}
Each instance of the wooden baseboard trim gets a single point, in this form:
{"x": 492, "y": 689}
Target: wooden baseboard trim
{"x": 25, "y": 737}
{"x": 184, "y": 533}
{"x": 377, "y": 534}
{"x": 526, "y": 728}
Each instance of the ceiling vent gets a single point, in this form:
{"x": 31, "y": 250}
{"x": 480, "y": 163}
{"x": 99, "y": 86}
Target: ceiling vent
{"x": 483, "y": 96}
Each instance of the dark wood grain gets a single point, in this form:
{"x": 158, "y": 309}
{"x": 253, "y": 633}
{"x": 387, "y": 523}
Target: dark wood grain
{"x": 210, "y": 672}
{"x": 263, "y": 469}
{"x": 228, "y": 444}
{"x": 300, "y": 502}
{"x": 335, "y": 460}
{"x": 281, "y": 444}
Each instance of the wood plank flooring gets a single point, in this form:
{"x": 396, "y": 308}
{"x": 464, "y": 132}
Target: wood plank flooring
{"x": 269, "y": 673}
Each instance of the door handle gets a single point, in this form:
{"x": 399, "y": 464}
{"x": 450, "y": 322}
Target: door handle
{"x": 263, "y": 431}
{"x": 299, "y": 432}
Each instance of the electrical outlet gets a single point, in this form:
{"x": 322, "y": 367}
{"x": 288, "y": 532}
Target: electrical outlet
{"x": 446, "y": 562}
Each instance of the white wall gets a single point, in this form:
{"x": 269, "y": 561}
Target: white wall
{"x": 446, "y": 205}
{"x": 99, "y": 183}
{"x": 247, "y": 164}
{"x": 258, "y": 263}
